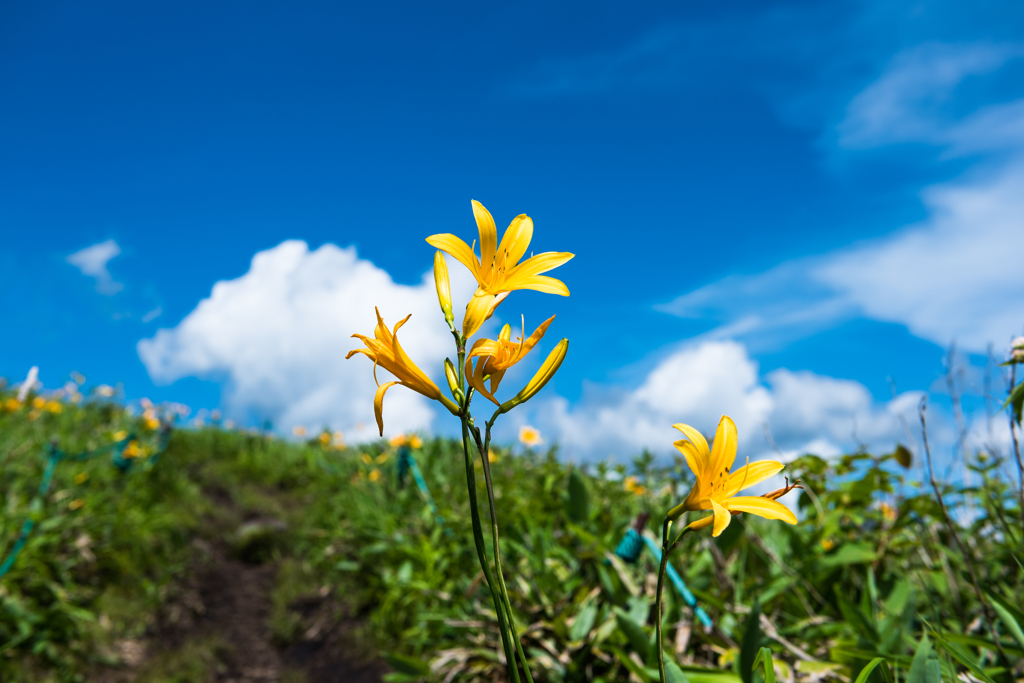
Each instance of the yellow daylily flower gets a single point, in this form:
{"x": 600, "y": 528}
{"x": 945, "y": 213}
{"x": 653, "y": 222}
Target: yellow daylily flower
{"x": 716, "y": 487}
{"x": 497, "y": 270}
{"x": 530, "y": 436}
{"x": 385, "y": 351}
{"x": 495, "y": 356}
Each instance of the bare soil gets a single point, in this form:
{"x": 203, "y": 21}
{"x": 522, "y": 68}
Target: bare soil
{"x": 227, "y": 602}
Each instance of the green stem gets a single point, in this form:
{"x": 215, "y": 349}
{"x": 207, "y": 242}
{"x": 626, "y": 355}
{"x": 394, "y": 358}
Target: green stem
{"x": 485, "y": 458}
{"x": 665, "y": 528}
{"x": 666, "y": 549}
{"x": 478, "y": 538}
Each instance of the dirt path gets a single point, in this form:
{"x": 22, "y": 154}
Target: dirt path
{"x": 215, "y": 627}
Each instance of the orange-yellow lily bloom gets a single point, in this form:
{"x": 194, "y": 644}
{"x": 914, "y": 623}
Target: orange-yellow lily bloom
{"x": 385, "y": 351}
{"x": 495, "y": 356}
{"x": 716, "y": 487}
{"x": 498, "y": 270}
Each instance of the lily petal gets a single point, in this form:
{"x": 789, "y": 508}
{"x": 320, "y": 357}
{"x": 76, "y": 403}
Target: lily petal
{"x": 480, "y": 307}
{"x": 702, "y": 523}
{"x": 538, "y": 283}
{"x": 691, "y": 452}
{"x": 750, "y": 475}
{"x": 722, "y": 518}
{"x": 541, "y": 263}
{"x": 762, "y": 507}
{"x": 488, "y": 235}
{"x": 701, "y": 454}
{"x": 378, "y": 404}
{"x": 723, "y": 450}
{"x": 458, "y": 249}
{"x": 515, "y": 241}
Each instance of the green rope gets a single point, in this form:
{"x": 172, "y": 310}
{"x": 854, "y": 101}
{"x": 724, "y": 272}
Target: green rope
{"x": 406, "y": 459}
{"x": 54, "y": 455}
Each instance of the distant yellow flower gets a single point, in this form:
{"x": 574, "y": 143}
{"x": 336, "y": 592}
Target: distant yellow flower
{"x": 828, "y": 544}
{"x": 633, "y": 485}
{"x": 716, "y": 488}
{"x": 149, "y": 418}
{"x": 374, "y": 475}
{"x": 385, "y": 351}
{"x": 888, "y": 511}
{"x": 119, "y": 435}
{"x": 81, "y": 478}
{"x": 382, "y": 458}
{"x": 76, "y": 504}
{"x": 492, "y": 456}
{"x": 530, "y": 436}
{"x": 397, "y": 440}
{"x": 495, "y": 357}
{"x": 132, "y": 450}
{"x": 338, "y": 440}
{"x": 299, "y": 431}
{"x": 365, "y": 457}
{"x": 415, "y": 442}
{"x": 12, "y": 404}
{"x": 498, "y": 270}
{"x": 54, "y": 407}
{"x": 39, "y": 403}
{"x": 324, "y": 439}
{"x": 104, "y": 390}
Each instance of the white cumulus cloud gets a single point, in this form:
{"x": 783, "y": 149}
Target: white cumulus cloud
{"x": 277, "y": 337}
{"x": 92, "y": 262}
{"x": 699, "y": 383}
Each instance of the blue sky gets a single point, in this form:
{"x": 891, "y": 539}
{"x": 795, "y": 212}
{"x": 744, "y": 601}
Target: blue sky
{"x": 786, "y": 200}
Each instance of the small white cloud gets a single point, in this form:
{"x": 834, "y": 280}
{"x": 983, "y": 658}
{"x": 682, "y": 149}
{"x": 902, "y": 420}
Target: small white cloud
{"x": 92, "y": 262}
{"x": 278, "y": 336}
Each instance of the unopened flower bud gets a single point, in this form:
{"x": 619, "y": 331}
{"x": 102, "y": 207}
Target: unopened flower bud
{"x": 540, "y": 378}
{"x": 444, "y": 291}
{"x": 453, "y": 380}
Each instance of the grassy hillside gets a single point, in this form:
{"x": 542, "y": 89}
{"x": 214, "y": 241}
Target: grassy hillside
{"x": 178, "y": 563}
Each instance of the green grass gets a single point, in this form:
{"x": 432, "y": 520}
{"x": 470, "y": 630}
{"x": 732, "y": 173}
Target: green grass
{"x": 869, "y": 569}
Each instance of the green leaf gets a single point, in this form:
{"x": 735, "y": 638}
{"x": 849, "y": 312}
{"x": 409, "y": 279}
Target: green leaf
{"x": 632, "y": 666}
{"x": 866, "y": 671}
{"x": 697, "y": 674}
{"x": 962, "y": 655}
{"x": 578, "y": 505}
{"x": 856, "y": 618}
{"x": 903, "y": 456}
{"x": 584, "y": 622}
{"x": 751, "y": 644}
{"x": 1009, "y": 622}
{"x": 407, "y": 665}
{"x": 850, "y": 553}
{"x": 764, "y": 656}
{"x": 673, "y": 674}
{"x": 1016, "y": 399}
{"x": 635, "y": 633}
{"x": 919, "y": 666}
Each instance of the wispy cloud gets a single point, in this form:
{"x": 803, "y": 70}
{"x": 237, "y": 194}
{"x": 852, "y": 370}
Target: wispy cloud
{"x": 953, "y": 277}
{"x": 92, "y": 262}
{"x": 914, "y": 99}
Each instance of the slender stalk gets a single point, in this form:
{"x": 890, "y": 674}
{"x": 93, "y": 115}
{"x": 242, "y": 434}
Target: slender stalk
{"x": 953, "y": 532}
{"x": 1016, "y": 447}
{"x": 666, "y": 550}
{"x": 478, "y": 538}
{"x": 666, "y": 527}
{"x": 484, "y": 449}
